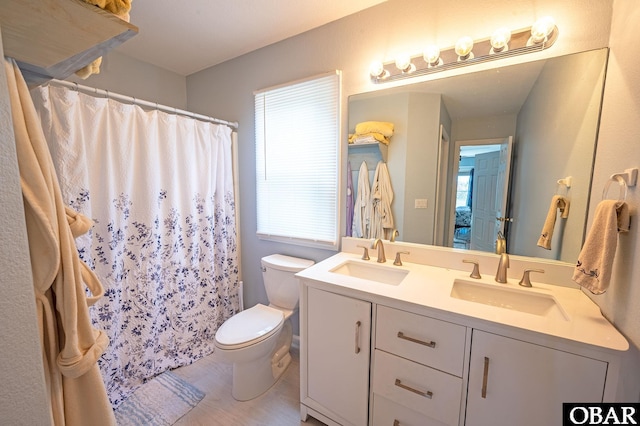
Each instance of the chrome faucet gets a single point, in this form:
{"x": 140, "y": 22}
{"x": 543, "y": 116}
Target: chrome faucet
{"x": 501, "y": 273}
{"x": 378, "y": 244}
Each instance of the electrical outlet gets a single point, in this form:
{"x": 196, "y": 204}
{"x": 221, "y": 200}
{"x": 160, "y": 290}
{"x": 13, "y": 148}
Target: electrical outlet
{"x": 420, "y": 203}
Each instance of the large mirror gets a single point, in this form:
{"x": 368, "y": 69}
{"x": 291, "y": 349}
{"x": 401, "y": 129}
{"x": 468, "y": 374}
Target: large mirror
{"x": 535, "y": 122}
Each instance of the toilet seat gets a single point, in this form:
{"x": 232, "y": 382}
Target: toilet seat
{"x": 249, "y": 327}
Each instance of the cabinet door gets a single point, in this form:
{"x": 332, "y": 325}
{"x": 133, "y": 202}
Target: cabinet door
{"x": 338, "y": 352}
{"x": 517, "y": 383}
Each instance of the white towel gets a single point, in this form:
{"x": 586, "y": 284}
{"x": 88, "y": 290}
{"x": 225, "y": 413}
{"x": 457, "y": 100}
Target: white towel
{"x": 381, "y": 198}
{"x": 361, "y": 210}
{"x": 593, "y": 269}
{"x": 557, "y": 202}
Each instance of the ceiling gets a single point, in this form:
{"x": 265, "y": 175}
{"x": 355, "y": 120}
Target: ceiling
{"x": 186, "y": 37}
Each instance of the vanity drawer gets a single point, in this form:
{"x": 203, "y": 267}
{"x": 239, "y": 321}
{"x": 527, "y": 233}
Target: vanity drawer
{"x": 424, "y": 390}
{"x": 438, "y": 344}
{"x": 388, "y": 413}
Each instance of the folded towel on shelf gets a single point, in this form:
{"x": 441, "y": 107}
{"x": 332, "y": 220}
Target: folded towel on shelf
{"x": 593, "y": 269}
{"x": 121, "y": 9}
{"x": 382, "y": 127}
{"x": 356, "y": 139}
{"x": 558, "y": 202}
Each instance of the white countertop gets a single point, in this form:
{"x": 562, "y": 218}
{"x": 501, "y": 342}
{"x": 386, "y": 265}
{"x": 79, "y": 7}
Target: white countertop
{"x": 431, "y": 286}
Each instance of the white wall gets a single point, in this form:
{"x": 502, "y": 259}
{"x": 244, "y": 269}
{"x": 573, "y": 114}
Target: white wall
{"x": 619, "y": 148}
{"x": 546, "y": 123}
{"x": 125, "y": 75}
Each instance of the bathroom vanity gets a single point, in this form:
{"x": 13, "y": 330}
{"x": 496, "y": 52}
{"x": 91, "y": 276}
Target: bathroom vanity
{"x": 423, "y": 343}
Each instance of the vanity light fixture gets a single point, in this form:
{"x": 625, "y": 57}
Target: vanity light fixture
{"x": 464, "y": 47}
{"x": 431, "y": 56}
{"x": 500, "y": 40}
{"x": 404, "y": 64}
{"x": 377, "y": 71}
{"x": 502, "y": 44}
{"x": 542, "y": 29}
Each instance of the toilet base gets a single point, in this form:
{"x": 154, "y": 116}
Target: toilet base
{"x": 252, "y": 379}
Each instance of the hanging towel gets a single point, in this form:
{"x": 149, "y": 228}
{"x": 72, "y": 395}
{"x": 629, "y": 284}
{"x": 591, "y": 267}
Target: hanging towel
{"x": 349, "y": 200}
{"x": 557, "y": 202}
{"x": 361, "y": 210}
{"x": 593, "y": 269}
{"x": 71, "y": 345}
{"x": 381, "y": 198}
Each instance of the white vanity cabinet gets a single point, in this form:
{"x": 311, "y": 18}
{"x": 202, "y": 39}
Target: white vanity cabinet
{"x": 512, "y": 382}
{"x": 417, "y": 369}
{"x": 335, "y": 357}
{"x": 374, "y": 353}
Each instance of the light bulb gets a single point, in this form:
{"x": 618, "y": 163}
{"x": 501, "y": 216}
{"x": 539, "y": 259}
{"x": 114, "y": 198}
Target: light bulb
{"x": 542, "y": 29}
{"x": 463, "y": 48}
{"x": 376, "y": 70}
{"x": 500, "y": 40}
{"x": 432, "y": 55}
{"x": 403, "y": 62}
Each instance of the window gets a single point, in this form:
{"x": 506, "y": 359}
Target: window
{"x": 297, "y": 161}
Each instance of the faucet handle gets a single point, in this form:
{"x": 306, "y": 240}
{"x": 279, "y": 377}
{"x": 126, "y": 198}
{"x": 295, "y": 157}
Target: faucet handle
{"x": 526, "y": 281}
{"x": 398, "y": 261}
{"x": 365, "y": 254}
{"x": 476, "y": 268}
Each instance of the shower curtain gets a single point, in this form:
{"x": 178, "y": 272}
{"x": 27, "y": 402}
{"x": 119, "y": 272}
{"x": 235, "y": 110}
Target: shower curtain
{"x": 159, "y": 188}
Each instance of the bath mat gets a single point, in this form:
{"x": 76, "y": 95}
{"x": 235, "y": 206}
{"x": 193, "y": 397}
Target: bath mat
{"x": 162, "y": 401}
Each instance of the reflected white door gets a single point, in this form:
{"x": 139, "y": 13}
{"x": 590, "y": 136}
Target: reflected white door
{"x": 483, "y": 211}
{"x": 490, "y": 190}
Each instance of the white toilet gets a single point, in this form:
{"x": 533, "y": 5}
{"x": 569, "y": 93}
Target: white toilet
{"x": 257, "y": 340}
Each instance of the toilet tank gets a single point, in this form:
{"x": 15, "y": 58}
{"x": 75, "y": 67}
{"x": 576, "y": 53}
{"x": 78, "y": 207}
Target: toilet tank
{"x": 278, "y": 275}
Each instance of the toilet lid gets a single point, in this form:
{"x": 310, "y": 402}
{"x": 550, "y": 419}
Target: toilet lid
{"x": 249, "y": 326}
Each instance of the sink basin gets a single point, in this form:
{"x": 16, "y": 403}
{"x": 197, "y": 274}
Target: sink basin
{"x": 371, "y": 271}
{"x": 522, "y": 300}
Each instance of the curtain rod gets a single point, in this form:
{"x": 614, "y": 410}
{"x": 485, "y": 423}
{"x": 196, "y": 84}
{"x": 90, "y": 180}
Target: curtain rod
{"x": 125, "y": 98}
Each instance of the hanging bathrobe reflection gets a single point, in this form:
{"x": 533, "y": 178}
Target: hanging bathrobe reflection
{"x": 362, "y": 210}
{"x": 381, "y": 198}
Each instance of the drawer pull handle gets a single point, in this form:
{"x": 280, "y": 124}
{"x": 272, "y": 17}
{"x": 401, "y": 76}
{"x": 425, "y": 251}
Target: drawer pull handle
{"x": 396, "y": 422}
{"x": 485, "y": 377}
{"x": 358, "y": 337}
{"x": 431, "y": 344}
{"x": 427, "y": 394}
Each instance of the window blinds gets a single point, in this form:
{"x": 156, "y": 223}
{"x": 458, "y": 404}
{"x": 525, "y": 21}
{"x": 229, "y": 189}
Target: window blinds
{"x": 297, "y": 161}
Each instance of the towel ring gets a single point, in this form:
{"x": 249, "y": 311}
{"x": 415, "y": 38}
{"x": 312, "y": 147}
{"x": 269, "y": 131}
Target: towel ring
{"x": 622, "y": 184}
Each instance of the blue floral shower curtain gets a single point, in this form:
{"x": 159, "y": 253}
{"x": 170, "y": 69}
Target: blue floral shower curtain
{"x": 159, "y": 189}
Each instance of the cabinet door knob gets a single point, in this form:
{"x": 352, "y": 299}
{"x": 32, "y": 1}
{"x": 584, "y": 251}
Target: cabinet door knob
{"x": 431, "y": 344}
{"x": 427, "y": 394}
{"x": 485, "y": 377}
{"x": 358, "y": 337}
